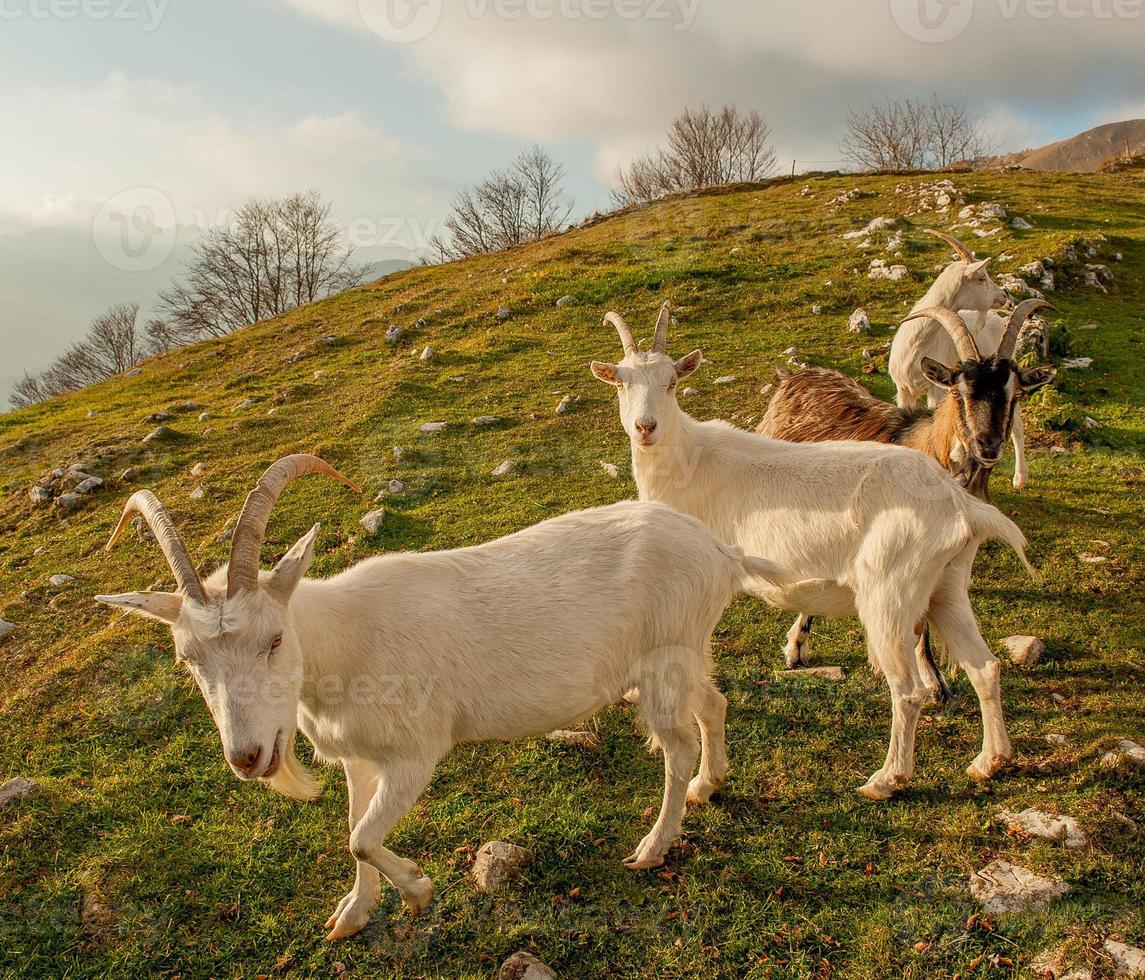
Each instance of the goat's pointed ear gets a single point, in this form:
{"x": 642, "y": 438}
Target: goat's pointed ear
{"x": 294, "y": 564}
{"x": 938, "y": 373}
{"x": 1034, "y": 379}
{"x": 973, "y": 268}
{"x": 164, "y": 606}
{"x": 688, "y": 363}
{"x": 606, "y": 372}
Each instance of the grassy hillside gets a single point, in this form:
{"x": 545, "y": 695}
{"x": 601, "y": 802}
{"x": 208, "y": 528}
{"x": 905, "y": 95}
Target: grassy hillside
{"x": 143, "y": 852}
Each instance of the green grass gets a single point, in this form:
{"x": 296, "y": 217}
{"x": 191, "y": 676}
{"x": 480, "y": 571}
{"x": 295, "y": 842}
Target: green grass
{"x": 142, "y": 853}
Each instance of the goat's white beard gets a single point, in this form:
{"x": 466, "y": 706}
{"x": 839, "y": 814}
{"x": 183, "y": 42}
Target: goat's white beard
{"x": 293, "y": 779}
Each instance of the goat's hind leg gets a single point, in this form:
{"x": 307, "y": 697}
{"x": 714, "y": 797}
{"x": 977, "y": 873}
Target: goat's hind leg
{"x": 797, "y": 653}
{"x": 668, "y": 713}
{"x": 713, "y": 751}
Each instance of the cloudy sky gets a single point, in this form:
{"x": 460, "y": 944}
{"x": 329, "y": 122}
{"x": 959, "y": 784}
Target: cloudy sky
{"x": 169, "y": 111}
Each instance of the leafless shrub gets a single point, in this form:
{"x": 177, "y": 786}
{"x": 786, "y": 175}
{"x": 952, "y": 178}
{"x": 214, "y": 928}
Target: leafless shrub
{"x": 913, "y": 134}
{"x": 508, "y": 208}
{"x": 702, "y": 149}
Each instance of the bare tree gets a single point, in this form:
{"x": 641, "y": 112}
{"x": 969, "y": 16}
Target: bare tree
{"x": 113, "y": 344}
{"x": 702, "y": 149}
{"x": 508, "y": 208}
{"x": 912, "y": 134}
{"x": 273, "y": 256}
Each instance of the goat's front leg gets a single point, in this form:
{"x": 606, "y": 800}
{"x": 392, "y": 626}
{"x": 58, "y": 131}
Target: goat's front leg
{"x": 398, "y": 784}
{"x": 1018, "y": 438}
{"x": 353, "y": 912}
{"x": 797, "y": 653}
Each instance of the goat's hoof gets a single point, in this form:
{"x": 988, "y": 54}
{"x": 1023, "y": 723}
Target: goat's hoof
{"x": 877, "y": 788}
{"x": 795, "y": 657}
{"x": 985, "y": 767}
{"x": 636, "y": 862}
{"x": 350, "y": 917}
{"x": 700, "y": 791}
{"x": 1021, "y": 482}
{"x": 418, "y": 895}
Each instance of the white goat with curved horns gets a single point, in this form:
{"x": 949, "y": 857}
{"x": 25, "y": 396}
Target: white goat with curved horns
{"x": 884, "y": 531}
{"x": 390, "y": 664}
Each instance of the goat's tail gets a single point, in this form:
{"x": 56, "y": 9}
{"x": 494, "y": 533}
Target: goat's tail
{"x": 993, "y": 525}
{"x": 293, "y": 779}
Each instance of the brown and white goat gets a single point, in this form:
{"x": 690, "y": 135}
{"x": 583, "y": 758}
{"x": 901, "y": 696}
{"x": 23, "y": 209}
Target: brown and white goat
{"x": 965, "y": 433}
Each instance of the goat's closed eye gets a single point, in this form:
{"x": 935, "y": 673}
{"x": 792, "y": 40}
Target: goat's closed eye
{"x": 276, "y": 643}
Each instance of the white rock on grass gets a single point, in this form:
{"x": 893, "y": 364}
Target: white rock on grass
{"x": 1004, "y": 887}
{"x": 1020, "y": 224}
{"x": 504, "y": 468}
{"x": 689, "y": 392}
{"x": 6, "y": 628}
{"x": 817, "y": 309}
{"x": 1128, "y": 961}
{"x": 199, "y": 492}
{"x": 497, "y": 863}
{"x": 1077, "y": 363}
{"x": 59, "y": 581}
{"x": 393, "y": 333}
{"x": 89, "y": 485}
{"x": 485, "y": 420}
{"x": 564, "y": 406}
{"x": 373, "y": 521}
{"x": 859, "y": 322}
{"x": 1025, "y": 651}
{"x": 432, "y": 427}
{"x": 824, "y": 673}
{"x": 198, "y": 470}
{"x": 610, "y": 468}
{"x": 575, "y": 739}
{"x": 524, "y": 966}
{"x": 566, "y": 301}
{"x": 396, "y": 486}
{"x": 880, "y": 270}
{"x": 503, "y": 313}
{"x": 727, "y": 379}
{"x": 40, "y": 495}
{"x": 426, "y": 354}
{"x": 17, "y": 788}
{"x": 155, "y": 435}
{"x": 1045, "y": 825}
{"x": 243, "y": 405}
{"x": 1124, "y": 750}
{"x": 1055, "y": 738}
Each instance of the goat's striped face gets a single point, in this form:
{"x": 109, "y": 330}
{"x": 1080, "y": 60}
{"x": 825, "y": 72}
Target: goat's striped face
{"x": 986, "y": 395}
{"x": 646, "y": 384}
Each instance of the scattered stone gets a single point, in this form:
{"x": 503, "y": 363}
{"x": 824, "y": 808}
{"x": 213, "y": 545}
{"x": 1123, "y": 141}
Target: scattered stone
{"x": 1124, "y": 750}
{"x": 393, "y": 333}
{"x": 330, "y": 340}
{"x": 1045, "y": 825}
{"x": 565, "y": 301}
{"x": 1020, "y": 224}
{"x": 859, "y": 322}
{"x": 155, "y": 435}
{"x": 228, "y": 530}
{"x": 1018, "y": 287}
{"x": 1055, "y": 739}
{"x": 817, "y": 309}
{"x": 1004, "y": 887}
{"x": 199, "y": 492}
{"x": 575, "y": 739}
{"x": 689, "y": 392}
{"x": 198, "y": 470}
{"x": 243, "y": 405}
{"x": 133, "y": 373}
{"x": 430, "y": 427}
{"x": 129, "y": 475}
{"x": 159, "y": 417}
{"x": 1039, "y": 275}
{"x": 421, "y": 323}
{"x": 504, "y": 468}
{"x": 497, "y": 863}
{"x": 396, "y": 486}
{"x": 92, "y": 413}
{"x": 1091, "y": 559}
{"x": 1076, "y": 363}
{"x": 373, "y": 521}
{"x": 1025, "y": 651}
{"x": 610, "y": 468}
{"x": 564, "y": 406}
{"x": 17, "y": 788}
{"x": 60, "y": 581}
{"x": 727, "y": 379}
{"x": 6, "y": 628}
{"x": 69, "y": 501}
{"x": 1128, "y": 961}
{"x": 426, "y": 354}
{"x": 766, "y": 389}
{"x": 398, "y": 453}
{"x": 485, "y": 420}
{"x": 880, "y": 270}
{"x": 826, "y": 673}
{"x": 503, "y": 313}
{"x": 40, "y": 495}
{"x": 88, "y": 485}
{"x": 204, "y": 416}
{"x": 524, "y": 966}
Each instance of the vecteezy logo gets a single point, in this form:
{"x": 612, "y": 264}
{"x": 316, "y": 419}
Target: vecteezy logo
{"x": 135, "y": 230}
{"x": 400, "y": 21}
{"x": 932, "y": 21}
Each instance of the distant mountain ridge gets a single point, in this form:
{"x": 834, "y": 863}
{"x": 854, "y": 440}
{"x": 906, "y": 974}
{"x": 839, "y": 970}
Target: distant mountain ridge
{"x": 1084, "y": 153}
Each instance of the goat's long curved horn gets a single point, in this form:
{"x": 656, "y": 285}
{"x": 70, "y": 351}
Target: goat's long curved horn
{"x": 963, "y": 252}
{"x": 144, "y": 502}
{"x": 660, "y": 341}
{"x": 242, "y": 575}
{"x": 625, "y": 331}
{"x": 955, "y": 326}
{"x": 1014, "y": 326}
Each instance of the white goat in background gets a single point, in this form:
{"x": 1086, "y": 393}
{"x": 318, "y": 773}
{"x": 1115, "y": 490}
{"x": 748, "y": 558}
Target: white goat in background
{"x": 964, "y": 286}
{"x": 885, "y": 531}
{"x": 390, "y": 664}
